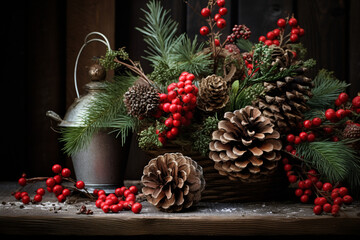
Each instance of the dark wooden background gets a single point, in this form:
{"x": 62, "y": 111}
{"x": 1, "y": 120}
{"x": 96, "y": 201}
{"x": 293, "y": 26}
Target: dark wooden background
{"x": 42, "y": 38}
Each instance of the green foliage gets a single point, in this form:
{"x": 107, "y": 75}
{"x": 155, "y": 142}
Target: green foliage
{"x": 335, "y": 161}
{"x": 326, "y": 90}
{"x": 148, "y": 139}
{"x": 246, "y": 96}
{"x": 300, "y": 50}
{"x": 105, "y": 111}
{"x": 170, "y": 54}
{"x": 186, "y": 54}
{"x": 244, "y": 44}
{"x": 108, "y": 62}
{"x": 159, "y": 32}
{"x": 202, "y": 137}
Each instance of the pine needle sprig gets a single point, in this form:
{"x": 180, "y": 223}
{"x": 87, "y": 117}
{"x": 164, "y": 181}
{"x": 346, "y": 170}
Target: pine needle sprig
{"x": 105, "y": 111}
{"x": 159, "y": 32}
{"x": 335, "y": 161}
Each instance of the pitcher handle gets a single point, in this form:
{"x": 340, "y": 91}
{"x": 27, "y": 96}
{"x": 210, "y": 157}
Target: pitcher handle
{"x": 86, "y": 42}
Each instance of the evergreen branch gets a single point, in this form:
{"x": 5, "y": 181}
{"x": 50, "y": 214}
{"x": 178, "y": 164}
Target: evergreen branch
{"x": 202, "y": 137}
{"x": 159, "y": 32}
{"x": 327, "y": 89}
{"x": 244, "y": 44}
{"x": 101, "y": 113}
{"x": 336, "y": 161}
{"x": 186, "y": 54}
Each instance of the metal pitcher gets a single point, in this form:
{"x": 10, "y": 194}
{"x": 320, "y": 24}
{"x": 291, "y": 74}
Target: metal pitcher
{"x": 102, "y": 164}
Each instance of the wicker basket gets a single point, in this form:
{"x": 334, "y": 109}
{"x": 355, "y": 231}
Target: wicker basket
{"x": 220, "y": 189}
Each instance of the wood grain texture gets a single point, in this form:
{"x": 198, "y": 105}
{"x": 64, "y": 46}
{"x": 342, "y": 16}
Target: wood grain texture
{"x": 205, "y": 219}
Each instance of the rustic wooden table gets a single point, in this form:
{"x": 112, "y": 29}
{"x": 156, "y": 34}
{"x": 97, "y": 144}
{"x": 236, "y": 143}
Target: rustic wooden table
{"x": 50, "y": 217}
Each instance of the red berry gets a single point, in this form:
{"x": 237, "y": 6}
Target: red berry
{"x": 319, "y": 184}
{"x": 290, "y": 138}
{"x": 281, "y": 22}
{"x": 61, "y": 198}
{"x": 268, "y": 42}
{"x": 334, "y": 138}
{"x": 297, "y": 140}
{"x": 308, "y": 192}
{"x": 171, "y": 95}
{"x": 114, "y": 208}
{"x": 136, "y": 208}
{"x": 133, "y": 189}
{"x": 335, "y": 209}
{"x": 174, "y": 131}
{"x": 66, "y": 192}
{"x": 66, "y": 172}
{"x": 130, "y": 197}
{"x": 328, "y": 130}
{"x": 338, "y": 102}
{"x": 322, "y": 201}
{"x": 307, "y": 124}
{"x": 276, "y": 42}
{"x": 299, "y": 192}
{"x": 340, "y": 114}
{"x": 295, "y": 31}
{"x": 327, "y": 207}
{"x": 105, "y": 208}
{"x": 347, "y": 199}
{"x": 338, "y": 201}
{"x": 289, "y": 148}
{"x": 56, "y": 168}
{"x": 343, "y": 97}
{"x": 25, "y": 199}
{"x": 220, "y": 3}
{"x": 276, "y": 32}
{"x": 37, "y": 198}
{"x": 22, "y": 181}
{"x": 293, "y": 22}
{"x": 57, "y": 189}
{"x": 40, "y": 191}
{"x": 356, "y": 102}
{"x": 303, "y": 136}
{"x": 50, "y": 182}
{"x": 17, "y": 195}
{"x": 294, "y": 37}
{"x": 285, "y": 160}
{"x": 307, "y": 183}
{"x": 217, "y": 42}
{"x": 287, "y": 167}
{"x": 98, "y": 203}
{"x": 292, "y": 178}
{"x": 80, "y": 184}
{"x": 168, "y": 122}
{"x": 223, "y": 11}
{"x": 262, "y": 39}
{"x": 327, "y": 187}
{"x": 301, "y": 32}
{"x": 204, "y": 30}
{"x": 205, "y": 12}
{"x": 330, "y": 114}
{"x": 304, "y": 198}
{"x": 316, "y": 121}
{"x": 334, "y": 195}
{"x": 317, "y": 209}
{"x": 221, "y": 23}
{"x": 217, "y": 16}
{"x": 311, "y": 137}
{"x": 270, "y": 35}
{"x": 343, "y": 191}
{"x": 162, "y": 140}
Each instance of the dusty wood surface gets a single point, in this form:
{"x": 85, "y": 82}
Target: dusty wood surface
{"x": 207, "y": 219}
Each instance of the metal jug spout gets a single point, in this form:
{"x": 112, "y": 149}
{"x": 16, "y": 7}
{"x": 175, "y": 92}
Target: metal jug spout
{"x": 54, "y": 116}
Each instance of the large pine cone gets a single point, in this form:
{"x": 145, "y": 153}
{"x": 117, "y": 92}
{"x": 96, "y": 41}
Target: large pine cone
{"x": 245, "y": 146}
{"x": 141, "y": 100}
{"x": 213, "y": 93}
{"x": 173, "y": 182}
{"x": 352, "y": 131}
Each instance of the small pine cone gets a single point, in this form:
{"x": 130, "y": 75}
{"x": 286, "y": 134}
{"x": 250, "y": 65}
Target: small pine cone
{"x": 141, "y": 100}
{"x": 173, "y": 182}
{"x": 281, "y": 56}
{"x": 213, "y": 93}
{"x": 352, "y": 130}
{"x": 245, "y": 146}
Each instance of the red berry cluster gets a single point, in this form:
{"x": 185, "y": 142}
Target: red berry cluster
{"x": 178, "y": 105}
{"x": 123, "y": 199}
{"x": 216, "y": 20}
{"x": 276, "y": 36}
{"x": 327, "y": 199}
{"x": 53, "y": 185}
{"x": 317, "y": 126}
{"x": 239, "y": 31}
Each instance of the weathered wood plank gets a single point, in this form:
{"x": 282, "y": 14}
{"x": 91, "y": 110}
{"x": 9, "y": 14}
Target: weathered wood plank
{"x": 207, "y": 219}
